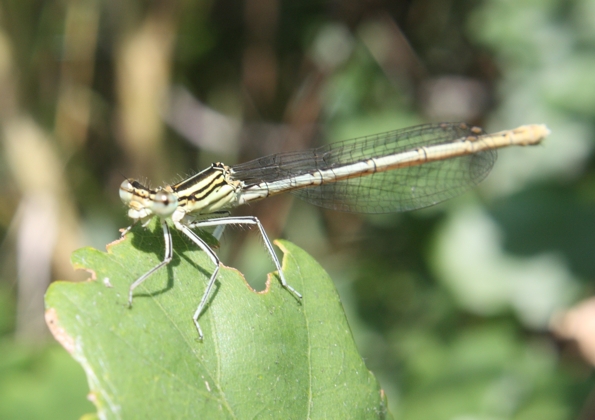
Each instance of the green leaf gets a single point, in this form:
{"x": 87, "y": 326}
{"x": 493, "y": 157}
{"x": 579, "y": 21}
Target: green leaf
{"x": 265, "y": 355}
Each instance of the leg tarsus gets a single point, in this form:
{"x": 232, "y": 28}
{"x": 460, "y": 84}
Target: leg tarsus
{"x": 166, "y": 260}
{"x": 203, "y": 245}
{"x": 251, "y": 220}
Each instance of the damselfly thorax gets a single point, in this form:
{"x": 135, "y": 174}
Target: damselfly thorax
{"x": 390, "y": 172}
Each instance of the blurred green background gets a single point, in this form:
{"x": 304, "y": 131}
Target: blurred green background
{"x": 461, "y": 310}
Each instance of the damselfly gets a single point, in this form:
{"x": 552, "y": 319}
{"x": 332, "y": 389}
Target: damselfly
{"x": 390, "y": 172}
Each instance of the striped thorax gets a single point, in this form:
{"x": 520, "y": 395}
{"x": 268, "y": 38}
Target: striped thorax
{"x": 208, "y": 192}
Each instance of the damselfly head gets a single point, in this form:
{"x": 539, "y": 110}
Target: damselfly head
{"x": 144, "y": 202}
{"x": 164, "y": 203}
{"x": 126, "y": 191}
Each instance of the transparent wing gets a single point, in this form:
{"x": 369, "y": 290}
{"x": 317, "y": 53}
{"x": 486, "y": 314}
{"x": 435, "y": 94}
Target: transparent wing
{"x": 398, "y": 190}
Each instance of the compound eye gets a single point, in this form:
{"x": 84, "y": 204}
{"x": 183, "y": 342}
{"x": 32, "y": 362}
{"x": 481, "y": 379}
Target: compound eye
{"x": 164, "y": 203}
{"x": 126, "y": 191}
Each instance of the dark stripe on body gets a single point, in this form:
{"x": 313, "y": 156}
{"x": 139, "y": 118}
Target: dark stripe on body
{"x": 186, "y": 188}
{"x": 205, "y": 193}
